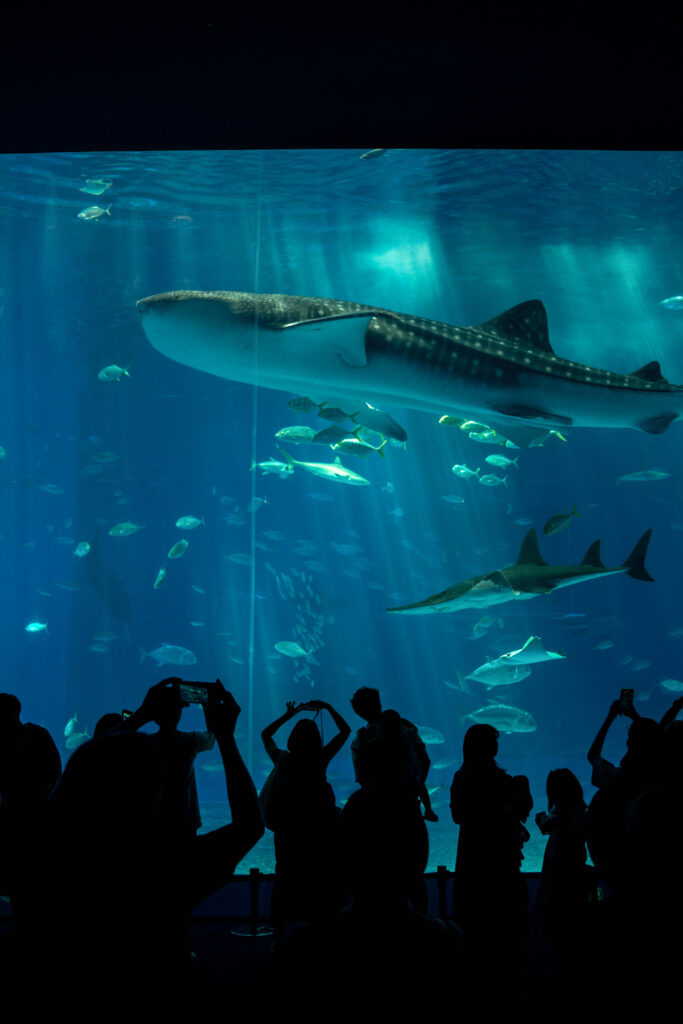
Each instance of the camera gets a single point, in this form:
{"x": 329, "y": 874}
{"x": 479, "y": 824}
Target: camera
{"x": 195, "y": 693}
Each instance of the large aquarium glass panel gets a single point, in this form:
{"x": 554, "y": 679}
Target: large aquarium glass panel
{"x": 208, "y": 485}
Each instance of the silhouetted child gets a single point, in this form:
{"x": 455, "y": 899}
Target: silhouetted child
{"x": 368, "y": 757}
{"x": 561, "y": 905}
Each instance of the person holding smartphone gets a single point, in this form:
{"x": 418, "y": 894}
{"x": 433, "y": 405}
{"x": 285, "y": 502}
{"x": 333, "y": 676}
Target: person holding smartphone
{"x": 640, "y": 767}
{"x": 179, "y": 803}
{"x": 105, "y": 888}
{"x": 604, "y": 771}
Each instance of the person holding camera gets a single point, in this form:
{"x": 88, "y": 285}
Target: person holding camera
{"x": 299, "y": 806}
{"x": 178, "y": 808}
{"x": 103, "y": 885}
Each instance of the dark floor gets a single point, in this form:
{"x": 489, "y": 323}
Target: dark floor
{"x": 233, "y": 969}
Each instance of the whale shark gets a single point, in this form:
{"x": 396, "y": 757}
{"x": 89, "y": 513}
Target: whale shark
{"x": 503, "y": 370}
{"x": 529, "y": 577}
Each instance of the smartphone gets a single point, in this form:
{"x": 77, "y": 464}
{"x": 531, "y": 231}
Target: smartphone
{"x": 626, "y": 700}
{"x": 195, "y": 693}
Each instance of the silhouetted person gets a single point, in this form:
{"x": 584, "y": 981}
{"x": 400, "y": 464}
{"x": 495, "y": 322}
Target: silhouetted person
{"x": 110, "y": 720}
{"x": 29, "y": 767}
{"x": 299, "y": 806}
{"x": 640, "y": 768}
{"x": 391, "y": 763}
{"x": 672, "y": 713}
{"x": 369, "y": 762}
{"x": 489, "y": 893}
{"x": 566, "y": 884}
{"x": 646, "y": 907}
{"x": 106, "y": 894}
{"x": 378, "y": 959}
{"x": 179, "y": 804}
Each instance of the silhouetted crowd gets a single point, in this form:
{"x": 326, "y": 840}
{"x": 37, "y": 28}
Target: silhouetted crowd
{"x": 103, "y": 865}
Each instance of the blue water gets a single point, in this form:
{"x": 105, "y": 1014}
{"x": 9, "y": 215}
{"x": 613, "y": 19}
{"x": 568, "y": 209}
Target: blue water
{"x": 453, "y": 236}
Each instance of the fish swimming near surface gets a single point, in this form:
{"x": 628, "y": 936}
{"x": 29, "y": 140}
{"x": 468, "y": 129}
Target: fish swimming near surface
{"x": 93, "y": 212}
{"x": 529, "y": 577}
{"x": 504, "y": 369}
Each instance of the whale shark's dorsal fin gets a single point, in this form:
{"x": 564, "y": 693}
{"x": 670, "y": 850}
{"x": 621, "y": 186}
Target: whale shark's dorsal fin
{"x": 651, "y": 372}
{"x": 529, "y": 553}
{"x": 525, "y": 325}
{"x": 592, "y": 556}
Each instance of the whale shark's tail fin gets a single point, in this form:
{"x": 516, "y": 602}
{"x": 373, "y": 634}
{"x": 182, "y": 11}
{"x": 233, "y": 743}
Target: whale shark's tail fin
{"x": 635, "y": 563}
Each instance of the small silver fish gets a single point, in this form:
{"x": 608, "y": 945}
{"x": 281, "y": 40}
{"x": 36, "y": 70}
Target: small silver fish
{"x": 291, "y": 649}
{"x": 189, "y": 523}
{"x": 93, "y": 212}
{"x": 124, "y": 529}
{"x": 463, "y": 472}
{"x": 501, "y": 460}
{"x": 112, "y": 372}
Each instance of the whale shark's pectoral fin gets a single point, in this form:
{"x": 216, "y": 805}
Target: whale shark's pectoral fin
{"x": 657, "y": 424}
{"x": 343, "y": 334}
{"x": 527, "y": 412}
